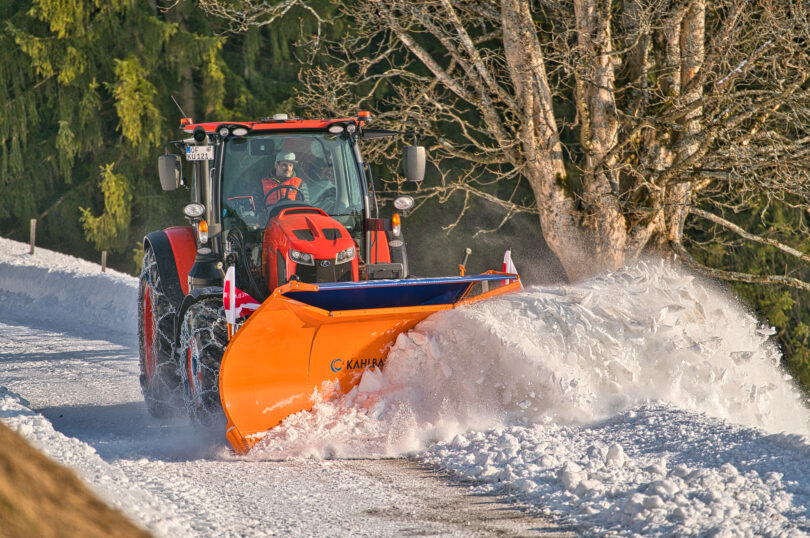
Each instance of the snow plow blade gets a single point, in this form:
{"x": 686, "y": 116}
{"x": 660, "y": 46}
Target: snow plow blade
{"x": 308, "y": 341}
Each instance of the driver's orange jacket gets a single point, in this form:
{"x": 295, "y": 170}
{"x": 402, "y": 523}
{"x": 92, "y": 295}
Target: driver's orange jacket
{"x": 269, "y": 183}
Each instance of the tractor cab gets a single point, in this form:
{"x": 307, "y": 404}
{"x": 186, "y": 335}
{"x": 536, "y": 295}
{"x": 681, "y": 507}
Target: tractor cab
{"x": 311, "y": 232}
{"x": 320, "y": 226}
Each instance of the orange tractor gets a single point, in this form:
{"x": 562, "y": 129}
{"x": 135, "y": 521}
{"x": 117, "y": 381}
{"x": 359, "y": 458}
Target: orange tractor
{"x": 285, "y": 210}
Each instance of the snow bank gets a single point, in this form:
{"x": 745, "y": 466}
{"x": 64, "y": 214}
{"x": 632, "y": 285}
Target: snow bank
{"x": 633, "y": 403}
{"x": 64, "y": 290}
{"x": 652, "y": 471}
{"x": 106, "y": 480}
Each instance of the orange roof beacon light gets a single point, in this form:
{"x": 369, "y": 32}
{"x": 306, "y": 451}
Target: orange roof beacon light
{"x": 364, "y": 116}
{"x": 186, "y": 121}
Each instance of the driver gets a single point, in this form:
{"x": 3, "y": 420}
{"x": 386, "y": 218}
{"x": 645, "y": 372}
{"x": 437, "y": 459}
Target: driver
{"x": 284, "y": 175}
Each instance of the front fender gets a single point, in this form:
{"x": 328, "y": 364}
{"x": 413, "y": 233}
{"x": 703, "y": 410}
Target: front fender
{"x": 175, "y": 249}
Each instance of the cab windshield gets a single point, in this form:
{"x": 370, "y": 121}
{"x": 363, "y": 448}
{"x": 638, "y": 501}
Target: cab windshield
{"x": 324, "y": 163}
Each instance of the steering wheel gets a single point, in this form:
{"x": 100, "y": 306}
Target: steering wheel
{"x": 325, "y": 199}
{"x": 274, "y": 189}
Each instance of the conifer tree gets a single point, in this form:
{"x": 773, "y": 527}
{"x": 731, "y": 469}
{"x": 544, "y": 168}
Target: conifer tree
{"x": 86, "y": 88}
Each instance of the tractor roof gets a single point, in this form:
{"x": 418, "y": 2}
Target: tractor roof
{"x": 265, "y": 124}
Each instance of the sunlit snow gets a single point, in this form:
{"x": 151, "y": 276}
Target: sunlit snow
{"x": 639, "y": 402}
{"x": 642, "y": 401}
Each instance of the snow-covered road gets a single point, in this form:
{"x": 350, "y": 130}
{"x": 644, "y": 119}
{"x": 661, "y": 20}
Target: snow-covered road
{"x": 178, "y": 481}
{"x": 638, "y": 403}
{"x": 73, "y": 392}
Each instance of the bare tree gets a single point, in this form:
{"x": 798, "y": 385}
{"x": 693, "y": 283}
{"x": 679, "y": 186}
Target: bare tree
{"x": 627, "y": 119}
{"x": 241, "y": 15}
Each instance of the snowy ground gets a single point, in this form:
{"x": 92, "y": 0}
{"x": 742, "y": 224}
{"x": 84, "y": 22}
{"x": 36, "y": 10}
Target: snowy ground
{"x": 641, "y": 402}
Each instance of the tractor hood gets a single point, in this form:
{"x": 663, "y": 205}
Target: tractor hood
{"x": 310, "y": 230}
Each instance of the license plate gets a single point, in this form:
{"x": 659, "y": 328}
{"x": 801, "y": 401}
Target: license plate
{"x": 199, "y": 153}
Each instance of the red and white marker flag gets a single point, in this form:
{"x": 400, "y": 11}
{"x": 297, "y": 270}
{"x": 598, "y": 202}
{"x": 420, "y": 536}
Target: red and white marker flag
{"x": 509, "y": 266}
{"x": 237, "y": 302}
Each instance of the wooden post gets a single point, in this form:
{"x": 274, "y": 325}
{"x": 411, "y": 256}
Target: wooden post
{"x": 33, "y": 234}
{"x": 103, "y": 261}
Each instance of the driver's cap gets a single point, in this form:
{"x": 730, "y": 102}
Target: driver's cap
{"x": 286, "y": 156}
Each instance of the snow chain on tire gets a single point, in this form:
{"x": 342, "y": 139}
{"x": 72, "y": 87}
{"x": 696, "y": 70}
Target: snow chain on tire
{"x": 159, "y": 378}
{"x": 203, "y": 337}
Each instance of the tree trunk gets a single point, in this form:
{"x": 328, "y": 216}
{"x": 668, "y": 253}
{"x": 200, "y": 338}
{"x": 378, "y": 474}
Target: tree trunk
{"x": 541, "y": 151}
{"x": 691, "y": 55}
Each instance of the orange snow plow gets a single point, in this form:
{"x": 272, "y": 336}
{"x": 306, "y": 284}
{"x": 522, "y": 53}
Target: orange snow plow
{"x": 311, "y": 341}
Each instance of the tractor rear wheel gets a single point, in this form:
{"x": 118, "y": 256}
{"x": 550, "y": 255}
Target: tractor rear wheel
{"x": 203, "y": 337}
{"x": 160, "y": 381}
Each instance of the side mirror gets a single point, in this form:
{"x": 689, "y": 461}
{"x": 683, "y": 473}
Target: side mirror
{"x": 171, "y": 171}
{"x": 414, "y": 163}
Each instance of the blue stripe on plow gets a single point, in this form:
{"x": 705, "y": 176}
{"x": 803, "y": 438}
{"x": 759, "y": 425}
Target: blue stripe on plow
{"x": 390, "y": 293}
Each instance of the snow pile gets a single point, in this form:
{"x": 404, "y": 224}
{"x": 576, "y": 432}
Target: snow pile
{"x": 566, "y": 355}
{"x": 64, "y": 290}
{"x": 654, "y": 470}
{"x": 590, "y": 401}
{"x": 582, "y": 353}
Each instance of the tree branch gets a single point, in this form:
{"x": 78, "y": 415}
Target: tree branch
{"x": 736, "y": 276}
{"x": 749, "y": 236}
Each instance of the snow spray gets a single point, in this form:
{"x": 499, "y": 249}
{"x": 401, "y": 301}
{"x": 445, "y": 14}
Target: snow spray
{"x": 558, "y": 355}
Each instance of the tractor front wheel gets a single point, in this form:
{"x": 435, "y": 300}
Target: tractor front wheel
{"x": 203, "y": 337}
{"x": 160, "y": 381}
